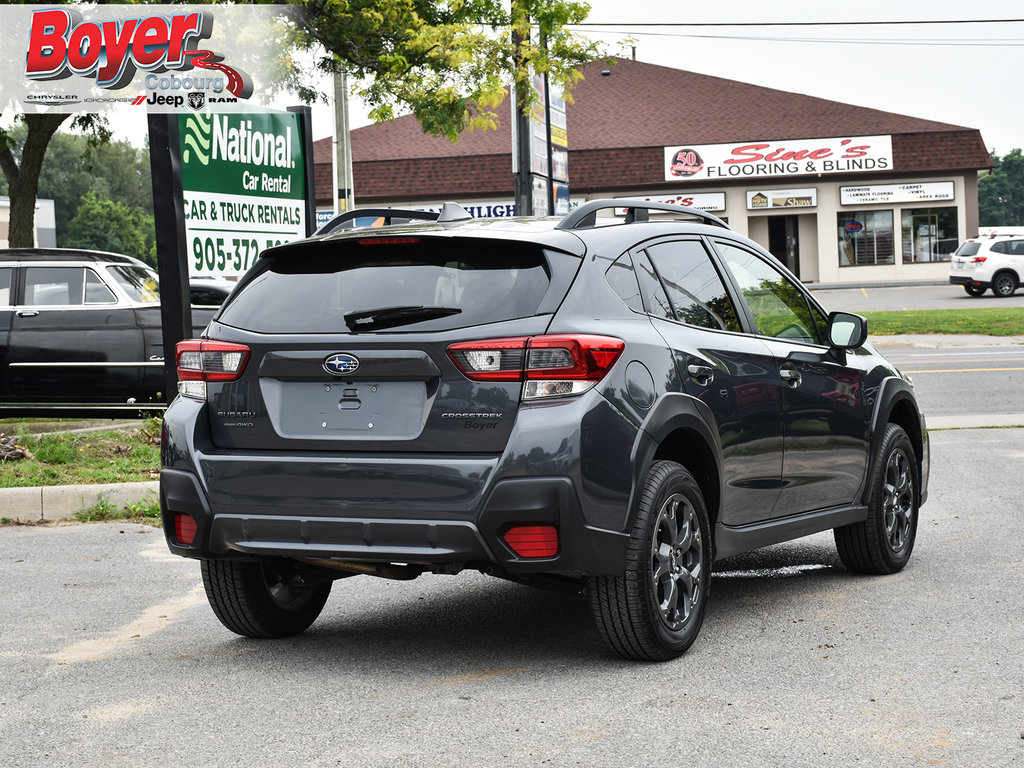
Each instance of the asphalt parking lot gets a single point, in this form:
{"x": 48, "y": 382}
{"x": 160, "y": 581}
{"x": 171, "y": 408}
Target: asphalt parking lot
{"x": 111, "y": 657}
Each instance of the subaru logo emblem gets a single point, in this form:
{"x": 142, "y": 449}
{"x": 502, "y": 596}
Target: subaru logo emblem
{"x": 339, "y": 364}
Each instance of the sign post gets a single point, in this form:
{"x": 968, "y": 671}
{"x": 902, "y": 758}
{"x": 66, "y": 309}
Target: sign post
{"x": 226, "y": 187}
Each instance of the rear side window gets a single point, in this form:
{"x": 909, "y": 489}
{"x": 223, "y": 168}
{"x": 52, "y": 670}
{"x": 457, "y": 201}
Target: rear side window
{"x": 140, "y": 284}
{"x": 968, "y": 249}
{"x": 429, "y": 285}
{"x": 693, "y": 284}
{"x": 622, "y": 279}
{"x": 1001, "y": 247}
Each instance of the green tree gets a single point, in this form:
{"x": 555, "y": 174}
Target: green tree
{"x": 449, "y": 63}
{"x": 109, "y": 225}
{"x": 22, "y": 163}
{"x": 72, "y": 168}
{"x": 1001, "y": 192}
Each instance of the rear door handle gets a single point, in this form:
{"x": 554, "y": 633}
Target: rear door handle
{"x": 701, "y": 374}
{"x": 791, "y": 375}
{"x": 27, "y": 313}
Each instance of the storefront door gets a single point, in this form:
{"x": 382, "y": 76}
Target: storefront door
{"x": 783, "y": 241}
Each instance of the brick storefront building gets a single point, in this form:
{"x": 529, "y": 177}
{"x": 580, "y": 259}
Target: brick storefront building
{"x": 840, "y": 193}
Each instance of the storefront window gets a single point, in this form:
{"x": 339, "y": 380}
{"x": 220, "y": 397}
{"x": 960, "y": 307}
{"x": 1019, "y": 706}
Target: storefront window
{"x": 865, "y": 238}
{"x": 929, "y": 234}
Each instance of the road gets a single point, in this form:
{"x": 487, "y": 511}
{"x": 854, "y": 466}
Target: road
{"x": 955, "y": 385}
{"x": 112, "y": 658}
{"x": 871, "y": 299}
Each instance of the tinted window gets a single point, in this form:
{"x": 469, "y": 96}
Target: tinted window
{"x": 96, "y": 291}
{"x": 313, "y": 291}
{"x": 140, "y": 284}
{"x": 778, "y": 306}
{"x": 622, "y": 279}
{"x": 694, "y": 286}
{"x": 207, "y": 296}
{"x": 650, "y": 286}
{"x": 5, "y": 286}
{"x": 1001, "y": 247}
{"x": 54, "y": 286}
{"x": 968, "y": 249}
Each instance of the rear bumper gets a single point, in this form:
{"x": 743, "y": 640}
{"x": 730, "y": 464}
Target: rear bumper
{"x": 471, "y": 539}
{"x": 968, "y": 280}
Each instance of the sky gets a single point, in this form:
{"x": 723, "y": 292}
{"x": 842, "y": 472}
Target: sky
{"x": 969, "y": 74}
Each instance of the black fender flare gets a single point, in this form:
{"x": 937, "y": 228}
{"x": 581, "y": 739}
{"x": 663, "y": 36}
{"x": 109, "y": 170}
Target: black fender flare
{"x": 893, "y": 391}
{"x": 673, "y": 411}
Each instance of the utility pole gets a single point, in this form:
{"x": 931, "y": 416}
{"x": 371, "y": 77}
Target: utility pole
{"x": 521, "y": 160}
{"x": 344, "y": 193}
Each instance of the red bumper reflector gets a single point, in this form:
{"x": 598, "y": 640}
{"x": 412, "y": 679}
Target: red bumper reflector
{"x": 532, "y": 540}
{"x": 184, "y": 529}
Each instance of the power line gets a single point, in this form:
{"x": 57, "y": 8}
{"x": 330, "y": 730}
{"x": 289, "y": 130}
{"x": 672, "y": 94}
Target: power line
{"x": 995, "y": 42}
{"x": 632, "y": 24}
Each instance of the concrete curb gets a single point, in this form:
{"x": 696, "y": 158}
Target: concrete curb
{"x": 61, "y": 502}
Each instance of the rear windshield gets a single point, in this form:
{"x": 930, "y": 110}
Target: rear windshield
{"x": 969, "y": 248}
{"x": 425, "y": 286}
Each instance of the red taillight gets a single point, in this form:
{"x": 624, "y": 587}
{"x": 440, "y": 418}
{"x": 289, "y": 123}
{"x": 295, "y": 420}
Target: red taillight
{"x": 201, "y": 360}
{"x": 572, "y": 357}
{"x": 551, "y": 366}
{"x": 978, "y": 259}
{"x": 532, "y": 540}
{"x": 490, "y": 360}
{"x": 184, "y": 529}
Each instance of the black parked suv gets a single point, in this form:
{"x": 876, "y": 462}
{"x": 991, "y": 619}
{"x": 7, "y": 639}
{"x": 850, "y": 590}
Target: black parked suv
{"x": 610, "y": 403}
{"x": 80, "y": 332}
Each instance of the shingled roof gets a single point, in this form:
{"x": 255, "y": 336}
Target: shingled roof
{"x": 618, "y": 126}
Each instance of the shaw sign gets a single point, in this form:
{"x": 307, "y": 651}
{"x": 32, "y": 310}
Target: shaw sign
{"x": 762, "y": 159}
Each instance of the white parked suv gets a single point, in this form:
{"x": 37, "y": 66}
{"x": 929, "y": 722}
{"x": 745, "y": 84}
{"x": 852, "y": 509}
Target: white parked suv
{"x": 994, "y": 259}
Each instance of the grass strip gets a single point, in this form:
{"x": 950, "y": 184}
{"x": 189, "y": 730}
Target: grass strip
{"x": 65, "y": 458}
{"x": 986, "y": 321}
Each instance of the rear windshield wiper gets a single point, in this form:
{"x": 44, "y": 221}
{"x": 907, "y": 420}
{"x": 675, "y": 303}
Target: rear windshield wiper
{"x": 389, "y": 317}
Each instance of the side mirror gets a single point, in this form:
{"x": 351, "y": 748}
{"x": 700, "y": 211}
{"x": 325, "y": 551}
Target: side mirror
{"x": 846, "y": 330}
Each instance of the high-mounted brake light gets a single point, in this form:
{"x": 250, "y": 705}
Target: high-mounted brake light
{"x": 201, "y": 360}
{"x": 532, "y": 540}
{"x": 550, "y": 366}
{"x": 388, "y": 240}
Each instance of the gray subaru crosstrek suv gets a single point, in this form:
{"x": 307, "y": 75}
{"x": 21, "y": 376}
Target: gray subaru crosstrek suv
{"x": 603, "y": 401}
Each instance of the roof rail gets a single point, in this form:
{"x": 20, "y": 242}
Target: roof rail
{"x": 585, "y": 216}
{"x": 346, "y": 219}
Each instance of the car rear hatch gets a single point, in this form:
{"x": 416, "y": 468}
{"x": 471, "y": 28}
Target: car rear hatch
{"x": 355, "y": 344}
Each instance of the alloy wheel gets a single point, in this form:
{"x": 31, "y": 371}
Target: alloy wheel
{"x": 677, "y": 561}
{"x": 898, "y": 501}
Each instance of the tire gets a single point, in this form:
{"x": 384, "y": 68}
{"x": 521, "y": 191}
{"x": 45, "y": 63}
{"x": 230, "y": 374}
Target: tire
{"x": 263, "y": 599}
{"x": 654, "y": 611}
{"x": 884, "y": 541}
{"x": 974, "y": 290}
{"x": 1004, "y": 284}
